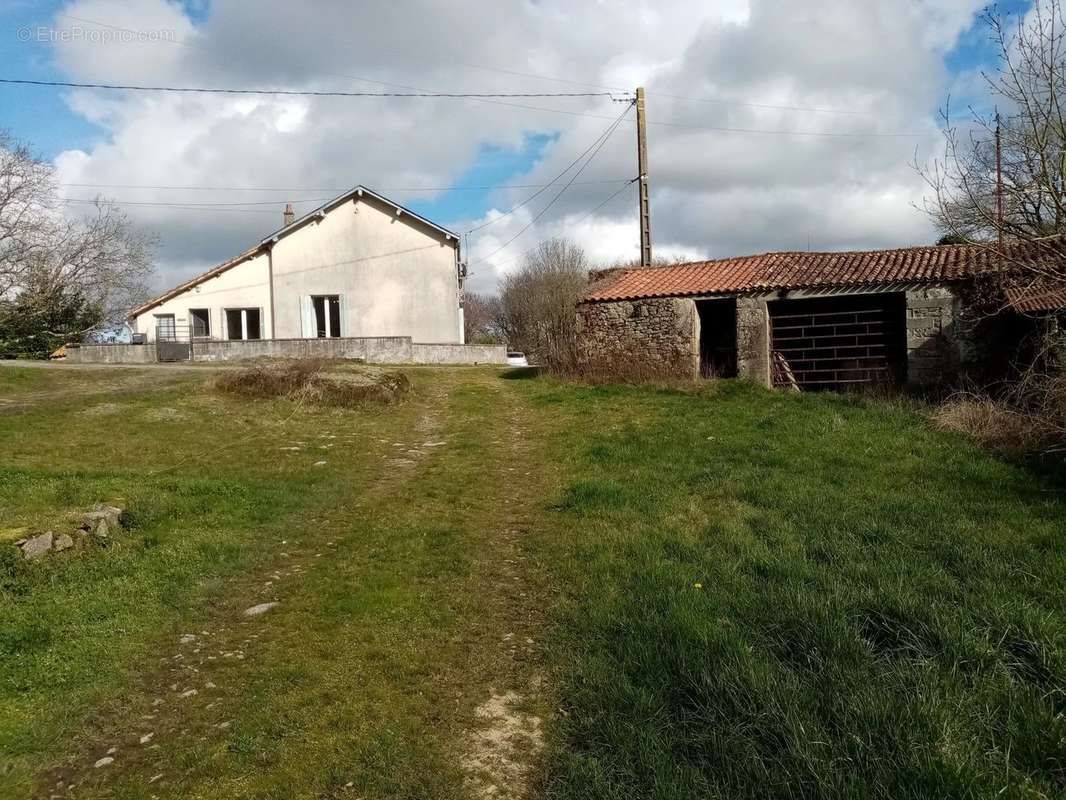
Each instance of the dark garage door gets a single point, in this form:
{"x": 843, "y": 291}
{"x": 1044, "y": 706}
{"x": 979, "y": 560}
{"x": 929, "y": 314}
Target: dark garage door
{"x": 845, "y": 342}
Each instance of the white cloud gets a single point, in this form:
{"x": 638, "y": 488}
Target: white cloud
{"x": 714, "y": 193}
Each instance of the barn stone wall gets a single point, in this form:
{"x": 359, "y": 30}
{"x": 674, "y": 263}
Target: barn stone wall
{"x": 657, "y": 334}
{"x": 665, "y": 333}
{"x": 938, "y": 337}
{"x": 753, "y": 340}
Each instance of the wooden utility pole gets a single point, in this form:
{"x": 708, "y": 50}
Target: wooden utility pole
{"x": 642, "y": 169}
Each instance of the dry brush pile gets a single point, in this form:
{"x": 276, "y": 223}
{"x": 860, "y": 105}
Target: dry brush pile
{"x": 1029, "y": 420}
{"x": 316, "y": 382}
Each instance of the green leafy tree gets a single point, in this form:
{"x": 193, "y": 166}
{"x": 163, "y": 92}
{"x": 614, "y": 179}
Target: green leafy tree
{"x": 40, "y": 319}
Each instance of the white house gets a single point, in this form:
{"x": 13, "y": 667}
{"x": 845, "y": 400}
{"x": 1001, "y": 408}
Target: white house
{"x": 358, "y": 266}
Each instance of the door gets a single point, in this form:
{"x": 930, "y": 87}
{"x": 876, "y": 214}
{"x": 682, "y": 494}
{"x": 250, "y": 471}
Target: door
{"x": 171, "y": 344}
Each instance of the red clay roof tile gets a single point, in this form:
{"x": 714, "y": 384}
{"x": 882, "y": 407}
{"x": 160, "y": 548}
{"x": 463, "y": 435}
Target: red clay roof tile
{"x": 782, "y": 271}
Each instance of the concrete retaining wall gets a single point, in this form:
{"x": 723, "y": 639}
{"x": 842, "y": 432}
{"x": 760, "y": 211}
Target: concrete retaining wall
{"x": 111, "y": 354}
{"x": 372, "y": 350}
{"x": 458, "y": 354}
{"x": 376, "y": 350}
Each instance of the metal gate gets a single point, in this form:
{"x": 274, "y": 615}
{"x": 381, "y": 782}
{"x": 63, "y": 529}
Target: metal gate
{"x": 842, "y": 343}
{"x": 173, "y": 343}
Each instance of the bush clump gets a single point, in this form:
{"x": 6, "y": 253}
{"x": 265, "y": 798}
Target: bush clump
{"x": 312, "y": 382}
{"x": 1028, "y": 421}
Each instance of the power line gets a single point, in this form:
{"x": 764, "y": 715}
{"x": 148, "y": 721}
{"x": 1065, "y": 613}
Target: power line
{"x": 181, "y": 203}
{"x": 295, "y": 92}
{"x": 769, "y": 106}
{"x": 578, "y": 221}
{"x": 174, "y": 206}
{"x": 603, "y": 140}
{"x": 551, "y": 79}
{"x": 558, "y": 177}
{"x": 843, "y": 134}
{"x": 335, "y": 190}
{"x": 610, "y": 92}
{"x": 342, "y": 75}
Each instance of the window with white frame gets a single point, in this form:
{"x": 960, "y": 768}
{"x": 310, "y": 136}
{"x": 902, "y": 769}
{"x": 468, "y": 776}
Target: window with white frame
{"x": 200, "y": 321}
{"x": 327, "y": 315}
{"x": 243, "y": 323}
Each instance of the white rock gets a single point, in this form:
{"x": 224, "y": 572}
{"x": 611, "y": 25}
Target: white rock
{"x": 147, "y": 738}
{"x": 262, "y": 608}
{"x": 103, "y": 762}
{"x": 36, "y": 546}
{"x": 189, "y": 693}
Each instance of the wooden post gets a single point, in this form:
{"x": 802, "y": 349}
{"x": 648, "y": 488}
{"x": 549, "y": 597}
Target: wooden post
{"x": 642, "y": 169}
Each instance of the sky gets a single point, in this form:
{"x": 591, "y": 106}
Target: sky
{"x": 773, "y": 125}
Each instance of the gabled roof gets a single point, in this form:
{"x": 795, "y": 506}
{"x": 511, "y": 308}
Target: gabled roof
{"x": 285, "y": 230}
{"x": 771, "y": 272}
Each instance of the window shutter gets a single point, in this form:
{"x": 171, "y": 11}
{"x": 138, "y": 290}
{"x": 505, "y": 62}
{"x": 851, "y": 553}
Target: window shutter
{"x": 307, "y": 317}
{"x": 343, "y": 308}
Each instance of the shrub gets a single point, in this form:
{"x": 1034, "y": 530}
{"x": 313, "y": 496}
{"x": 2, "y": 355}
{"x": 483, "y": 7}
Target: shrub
{"x": 1029, "y": 420}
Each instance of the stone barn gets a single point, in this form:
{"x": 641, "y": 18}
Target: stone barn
{"x": 846, "y": 320}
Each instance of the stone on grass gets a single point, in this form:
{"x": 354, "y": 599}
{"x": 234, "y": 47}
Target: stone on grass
{"x": 147, "y": 738}
{"x": 36, "y": 546}
{"x": 101, "y": 520}
{"x": 103, "y": 762}
{"x": 110, "y": 514}
{"x": 262, "y": 608}
{"x": 63, "y": 542}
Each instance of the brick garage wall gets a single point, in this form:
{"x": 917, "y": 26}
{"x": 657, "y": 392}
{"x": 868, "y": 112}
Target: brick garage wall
{"x": 938, "y": 337}
{"x": 658, "y": 334}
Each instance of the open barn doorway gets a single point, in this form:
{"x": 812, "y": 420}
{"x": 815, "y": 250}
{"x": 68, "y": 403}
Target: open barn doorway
{"x": 841, "y": 343}
{"x": 718, "y": 337}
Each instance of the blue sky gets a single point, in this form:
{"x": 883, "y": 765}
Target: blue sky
{"x": 713, "y": 194}
{"x": 41, "y": 117}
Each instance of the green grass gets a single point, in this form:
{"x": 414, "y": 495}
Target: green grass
{"x": 388, "y": 632}
{"x": 713, "y": 593}
{"x": 776, "y": 596}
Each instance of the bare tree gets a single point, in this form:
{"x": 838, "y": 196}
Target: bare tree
{"x": 481, "y": 315}
{"x": 45, "y": 256}
{"x": 973, "y": 201}
{"x": 537, "y": 303}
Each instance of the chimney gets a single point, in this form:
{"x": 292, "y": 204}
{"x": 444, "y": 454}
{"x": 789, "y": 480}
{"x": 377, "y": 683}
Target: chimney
{"x": 290, "y": 215}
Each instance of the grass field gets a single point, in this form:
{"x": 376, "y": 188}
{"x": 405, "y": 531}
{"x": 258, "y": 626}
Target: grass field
{"x": 515, "y": 584}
